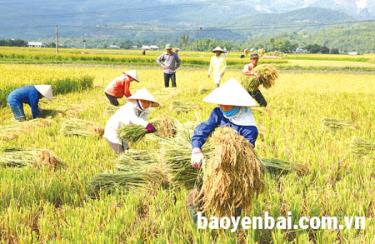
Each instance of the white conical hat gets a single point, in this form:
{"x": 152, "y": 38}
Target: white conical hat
{"x": 132, "y": 73}
{"x": 231, "y": 93}
{"x": 217, "y": 49}
{"x": 143, "y": 94}
{"x": 45, "y": 90}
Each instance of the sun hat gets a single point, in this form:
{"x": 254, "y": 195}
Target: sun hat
{"x": 231, "y": 93}
{"x": 218, "y": 49}
{"x": 143, "y": 94}
{"x": 133, "y": 74}
{"x": 45, "y": 90}
{"x": 168, "y": 46}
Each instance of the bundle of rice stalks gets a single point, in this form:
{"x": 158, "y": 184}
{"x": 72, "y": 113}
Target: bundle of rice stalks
{"x": 266, "y": 76}
{"x": 110, "y": 110}
{"x": 203, "y": 90}
{"x": 133, "y": 158}
{"x": 279, "y": 166}
{"x": 153, "y": 175}
{"x": 165, "y": 127}
{"x": 337, "y": 124}
{"x": 78, "y": 127}
{"x": 362, "y": 147}
{"x": 29, "y": 157}
{"x": 131, "y": 133}
{"x": 13, "y": 131}
{"x": 183, "y": 107}
{"x": 232, "y": 176}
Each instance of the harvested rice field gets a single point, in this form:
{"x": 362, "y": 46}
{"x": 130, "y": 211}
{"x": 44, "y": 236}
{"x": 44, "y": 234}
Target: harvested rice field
{"x": 321, "y": 121}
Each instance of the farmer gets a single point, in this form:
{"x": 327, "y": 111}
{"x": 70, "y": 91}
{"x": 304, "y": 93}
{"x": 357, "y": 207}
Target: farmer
{"x": 248, "y": 70}
{"x": 135, "y": 111}
{"x": 29, "y": 95}
{"x": 120, "y": 86}
{"x": 170, "y": 62}
{"x": 217, "y": 65}
{"x": 232, "y": 111}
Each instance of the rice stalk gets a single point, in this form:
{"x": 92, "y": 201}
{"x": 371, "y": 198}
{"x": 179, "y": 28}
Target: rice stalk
{"x": 232, "y": 176}
{"x": 362, "y": 147}
{"x": 165, "y": 127}
{"x": 13, "y": 131}
{"x": 337, "y": 124}
{"x": 78, "y": 127}
{"x": 266, "y": 75}
{"x": 29, "y": 157}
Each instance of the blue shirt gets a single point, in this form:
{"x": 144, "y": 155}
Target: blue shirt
{"x": 217, "y": 119}
{"x": 28, "y": 95}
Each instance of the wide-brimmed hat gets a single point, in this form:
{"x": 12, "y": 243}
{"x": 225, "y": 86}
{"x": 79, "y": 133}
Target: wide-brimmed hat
{"x": 231, "y": 93}
{"x": 143, "y": 94}
{"x": 168, "y": 46}
{"x": 133, "y": 74}
{"x": 45, "y": 90}
{"x": 218, "y": 49}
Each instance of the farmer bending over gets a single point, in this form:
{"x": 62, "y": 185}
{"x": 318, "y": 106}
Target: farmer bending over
{"x": 248, "y": 70}
{"x": 29, "y": 95}
{"x": 135, "y": 111}
{"x": 217, "y": 65}
{"x": 120, "y": 87}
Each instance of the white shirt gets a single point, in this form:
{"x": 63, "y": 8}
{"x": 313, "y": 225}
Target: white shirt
{"x": 127, "y": 114}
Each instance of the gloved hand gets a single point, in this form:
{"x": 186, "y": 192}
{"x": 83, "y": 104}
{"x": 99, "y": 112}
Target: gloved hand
{"x": 150, "y": 128}
{"x": 196, "y": 158}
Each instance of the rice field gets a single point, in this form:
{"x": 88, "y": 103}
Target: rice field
{"x": 44, "y": 205}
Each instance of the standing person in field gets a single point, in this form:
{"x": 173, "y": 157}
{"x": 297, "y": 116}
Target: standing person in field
{"x": 29, "y": 95}
{"x": 248, "y": 70}
{"x": 233, "y": 110}
{"x": 170, "y": 62}
{"x": 217, "y": 65}
{"x": 120, "y": 87}
{"x": 135, "y": 111}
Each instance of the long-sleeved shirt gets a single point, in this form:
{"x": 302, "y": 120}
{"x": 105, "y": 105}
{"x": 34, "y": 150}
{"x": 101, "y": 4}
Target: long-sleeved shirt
{"x": 119, "y": 87}
{"x": 171, "y": 62}
{"x": 217, "y": 67}
{"x": 217, "y": 119}
{"x": 28, "y": 95}
{"x": 127, "y": 114}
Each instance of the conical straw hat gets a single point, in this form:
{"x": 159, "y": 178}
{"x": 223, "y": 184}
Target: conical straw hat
{"x": 143, "y": 94}
{"x": 132, "y": 73}
{"x": 45, "y": 90}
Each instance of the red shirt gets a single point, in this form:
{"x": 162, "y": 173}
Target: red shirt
{"x": 119, "y": 87}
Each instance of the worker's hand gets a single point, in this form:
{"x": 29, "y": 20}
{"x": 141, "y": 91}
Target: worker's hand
{"x": 196, "y": 158}
{"x": 150, "y": 128}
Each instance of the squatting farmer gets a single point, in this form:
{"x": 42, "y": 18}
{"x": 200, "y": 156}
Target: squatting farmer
{"x": 248, "y": 71}
{"x": 233, "y": 111}
{"x": 28, "y": 95}
{"x": 170, "y": 62}
{"x": 135, "y": 111}
{"x": 218, "y": 65}
{"x": 120, "y": 87}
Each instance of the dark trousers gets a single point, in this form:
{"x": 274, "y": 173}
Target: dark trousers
{"x": 118, "y": 148}
{"x": 17, "y": 109}
{"x": 168, "y": 77}
{"x": 258, "y": 96}
{"x": 112, "y": 99}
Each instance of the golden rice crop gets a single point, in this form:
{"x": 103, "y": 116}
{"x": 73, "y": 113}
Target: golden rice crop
{"x": 79, "y": 127}
{"x": 266, "y": 75}
{"x": 13, "y": 131}
{"x": 337, "y": 124}
{"x": 362, "y": 147}
{"x": 165, "y": 127}
{"x": 232, "y": 176}
{"x": 29, "y": 157}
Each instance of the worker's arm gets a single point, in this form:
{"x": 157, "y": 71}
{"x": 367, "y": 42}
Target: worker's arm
{"x": 204, "y": 130}
{"x": 248, "y": 70}
{"x": 160, "y": 60}
{"x": 250, "y": 133}
{"x": 223, "y": 67}
{"x": 178, "y": 61}
{"x": 127, "y": 92}
{"x": 34, "y": 100}
{"x": 210, "y": 68}
{"x": 258, "y": 96}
